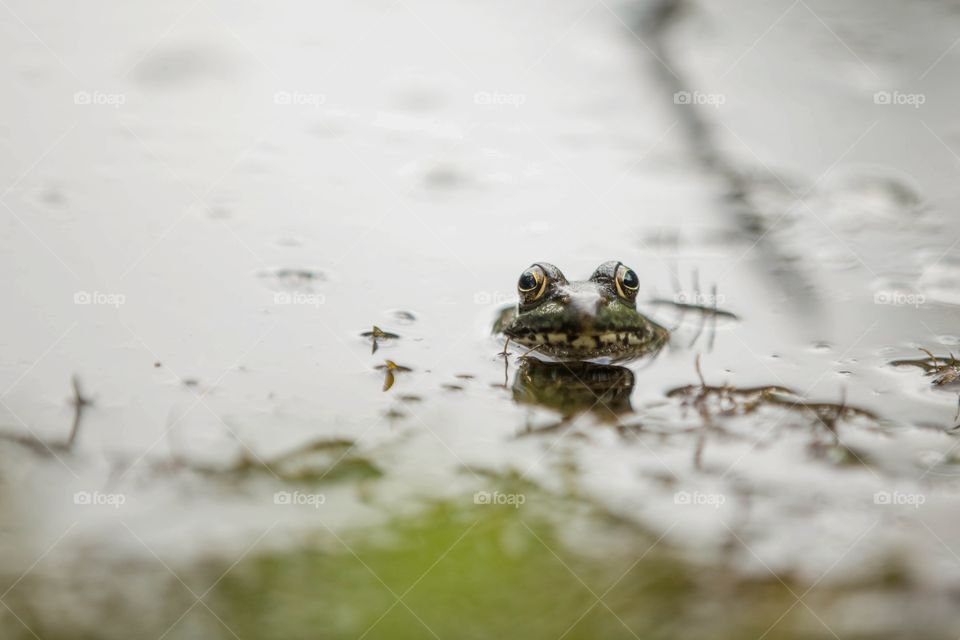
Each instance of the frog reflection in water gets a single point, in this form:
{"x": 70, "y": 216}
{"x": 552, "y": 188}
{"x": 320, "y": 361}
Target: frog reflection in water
{"x": 569, "y": 388}
{"x": 579, "y": 324}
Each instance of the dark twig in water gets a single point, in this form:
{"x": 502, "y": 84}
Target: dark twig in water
{"x": 740, "y": 205}
{"x": 946, "y": 369}
{"x": 506, "y": 363}
{"x": 705, "y": 417}
{"x": 699, "y": 308}
{"x": 733, "y": 401}
{"x": 713, "y": 319}
{"x": 946, "y": 372}
{"x": 506, "y": 359}
{"x": 526, "y": 354}
{"x": 707, "y": 313}
{"x": 79, "y": 402}
{"x": 675, "y": 276}
{"x": 746, "y": 400}
{"x": 696, "y": 336}
{"x": 677, "y": 293}
{"x": 314, "y": 461}
{"x": 829, "y": 419}
{"x": 504, "y": 353}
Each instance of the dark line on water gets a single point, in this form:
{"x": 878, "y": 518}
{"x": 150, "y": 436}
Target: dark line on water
{"x": 654, "y": 27}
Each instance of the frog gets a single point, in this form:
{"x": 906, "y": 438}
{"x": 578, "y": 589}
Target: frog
{"x": 593, "y": 320}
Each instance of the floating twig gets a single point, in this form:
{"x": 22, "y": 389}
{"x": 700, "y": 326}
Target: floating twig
{"x": 80, "y": 401}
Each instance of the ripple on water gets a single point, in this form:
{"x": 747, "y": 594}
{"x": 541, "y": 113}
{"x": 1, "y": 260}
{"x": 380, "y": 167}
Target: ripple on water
{"x": 445, "y": 177}
{"x": 940, "y": 281}
{"x": 306, "y": 279}
{"x": 183, "y": 64}
{"x": 290, "y": 241}
{"x": 872, "y": 195}
{"x": 402, "y": 316}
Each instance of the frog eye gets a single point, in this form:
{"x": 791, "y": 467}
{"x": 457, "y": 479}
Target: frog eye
{"x": 532, "y": 283}
{"x": 627, "y": 282}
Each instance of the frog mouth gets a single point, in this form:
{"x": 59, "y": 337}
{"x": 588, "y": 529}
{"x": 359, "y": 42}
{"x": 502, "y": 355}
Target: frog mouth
{"x": 585, "y": 341}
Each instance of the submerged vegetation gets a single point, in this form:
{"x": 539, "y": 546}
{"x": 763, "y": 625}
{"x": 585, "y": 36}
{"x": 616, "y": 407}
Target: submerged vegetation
{"x": 486, "y": 570}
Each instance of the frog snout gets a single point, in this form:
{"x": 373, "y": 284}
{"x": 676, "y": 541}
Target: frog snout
{"x": 586, "y": 303}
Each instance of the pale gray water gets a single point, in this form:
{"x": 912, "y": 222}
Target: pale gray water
{"x": 416, "y": 156}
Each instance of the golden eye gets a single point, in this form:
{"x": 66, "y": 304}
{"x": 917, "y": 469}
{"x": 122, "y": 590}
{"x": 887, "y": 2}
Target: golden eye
{"x": 627, "y": 282}
{"x": 532, "y": 283}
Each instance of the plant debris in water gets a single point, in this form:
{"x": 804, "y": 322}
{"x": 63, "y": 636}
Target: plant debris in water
{"x": 328, "y": 459}
{"x": 376, "y": 335}
{"x": 294, "y": 276}
{"x": 80, "y": 402}
{"x": 389, "y": 367}
{"x": 745, "y": 400}
{"x": 944, "y": 369}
